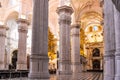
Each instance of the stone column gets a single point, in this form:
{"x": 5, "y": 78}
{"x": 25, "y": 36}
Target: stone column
{"x": 22, "y": 56}
{"x": 65, "y": 71}
{"x": 75, "y": 50}
{"x": 75, "y": 47}
{"x": 39, "y": 56}
{"x": 2, "y": 46}
{"x": 109, "y": 41}
{"x": 117, "y": 37}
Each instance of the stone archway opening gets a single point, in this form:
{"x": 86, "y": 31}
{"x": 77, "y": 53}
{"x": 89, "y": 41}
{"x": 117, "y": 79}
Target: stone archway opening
{"x": 96, "y": 64}
{"x": 14, "y": 60}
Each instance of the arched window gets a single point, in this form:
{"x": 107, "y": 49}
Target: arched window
{"x": 96, "y": 52}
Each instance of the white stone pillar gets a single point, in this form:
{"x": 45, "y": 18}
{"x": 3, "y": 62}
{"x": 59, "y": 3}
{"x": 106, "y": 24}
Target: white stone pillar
{"x": 65, "y": 71}
{"x": 22, "y": 44}
{"x": 117, "y": 37}
{"x": 75, "y": 50}
{"x": 109, "y": 41}
{"x": 39, "y": 56}
{"x": 2, "y": 47}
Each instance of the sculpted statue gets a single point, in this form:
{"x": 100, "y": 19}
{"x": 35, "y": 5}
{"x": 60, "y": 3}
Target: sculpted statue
{"x": 117, "y": 4}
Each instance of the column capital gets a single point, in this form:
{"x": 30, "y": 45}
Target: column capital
{"x": 65, "y": 8}
{"x": 64, "y": 13}
{"x": 25, "y": 21}
{"x": 23, "y": 25}
{"x": 3, "y": 27}
{"x": 75, "y": 30}
{"x": 75, "y": 26}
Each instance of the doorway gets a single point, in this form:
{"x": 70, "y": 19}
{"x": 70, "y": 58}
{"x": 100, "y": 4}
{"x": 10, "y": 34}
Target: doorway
{"x": 14, "y": 59}
{"x": 96, "y": 64}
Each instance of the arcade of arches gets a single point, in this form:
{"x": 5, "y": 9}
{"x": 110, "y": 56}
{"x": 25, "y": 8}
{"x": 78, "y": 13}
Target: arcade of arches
{"x": 67, "y": 36}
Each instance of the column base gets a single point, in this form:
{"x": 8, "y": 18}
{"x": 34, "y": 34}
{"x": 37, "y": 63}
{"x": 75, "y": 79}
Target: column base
{"x": 38, "y": 76}
{"x": 2, "y": 67}
{"x": 22, "y": 66}
{"x": 117, "y": 77}
{"x": 64, "y": 75}
{"x": 77, "y": 68}
{"x": 75, "y": 76}
{"x": 109, "y": 77}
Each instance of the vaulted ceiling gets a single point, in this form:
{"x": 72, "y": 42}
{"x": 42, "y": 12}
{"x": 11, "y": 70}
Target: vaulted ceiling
{"x": 86, "y": 12}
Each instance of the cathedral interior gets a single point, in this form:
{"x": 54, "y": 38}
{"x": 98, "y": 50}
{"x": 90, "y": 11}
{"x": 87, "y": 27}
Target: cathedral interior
{"x": 59, "y": 39}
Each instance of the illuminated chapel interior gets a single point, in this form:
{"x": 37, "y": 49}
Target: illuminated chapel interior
{"x": 16, "y": 17}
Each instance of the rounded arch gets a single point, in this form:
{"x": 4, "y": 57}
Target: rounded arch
{"x": 14, "y": 60}
{"x": 90, "y": 27}
{"x": 91, "y": 13}
{"x": 11, "y": 15}
{"x": 97, "y": 11}
{"x": 53, "y": 21}
{"x": 91, "y": 18}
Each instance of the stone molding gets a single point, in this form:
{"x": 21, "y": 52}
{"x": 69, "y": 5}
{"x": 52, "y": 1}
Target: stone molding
{"x": 3, "y": 27}
{"x": 2, "y": 33}
{"x": 75, "y": 26}
{"x": 64, "y": 61}
{"x": 40, "y": 57}
{"x": 75, "y": 35}
{"x": 75, "y": 63}
{"x": 23, "y": 25}
{"x": 20, "y": 20}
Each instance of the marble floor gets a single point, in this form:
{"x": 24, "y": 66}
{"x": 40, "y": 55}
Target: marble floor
{"x": 83, "y": 76}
